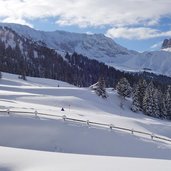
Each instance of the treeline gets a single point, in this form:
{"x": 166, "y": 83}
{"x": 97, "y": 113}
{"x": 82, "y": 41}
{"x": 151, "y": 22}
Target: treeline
{"x": 151, "y": 100}
{"x": 146, "y": 97}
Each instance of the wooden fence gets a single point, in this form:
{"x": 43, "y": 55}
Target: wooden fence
{"x": 65, "y": 118}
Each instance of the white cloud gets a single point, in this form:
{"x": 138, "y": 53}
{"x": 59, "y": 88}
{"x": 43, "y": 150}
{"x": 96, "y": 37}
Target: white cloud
{"x": 139, "y": 33}
{"x": 87, "y": 12}
{"x": 16, "y": 20}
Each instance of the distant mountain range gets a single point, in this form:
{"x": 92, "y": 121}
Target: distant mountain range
{"x": 101, "y": 48}
{"x": 78, "y": 59}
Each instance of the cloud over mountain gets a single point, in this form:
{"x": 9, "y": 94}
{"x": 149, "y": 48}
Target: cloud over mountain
{"x": 86, "y": 13}
{"x": 138, "y": 33}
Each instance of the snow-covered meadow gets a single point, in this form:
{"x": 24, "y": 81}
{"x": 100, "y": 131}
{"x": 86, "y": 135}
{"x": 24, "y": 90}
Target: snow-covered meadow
{"x": 30, "y": 142}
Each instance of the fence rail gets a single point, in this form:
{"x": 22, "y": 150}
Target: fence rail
{"x": 111, "y": 126}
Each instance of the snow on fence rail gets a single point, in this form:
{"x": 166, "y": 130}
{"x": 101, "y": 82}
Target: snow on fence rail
{"x": 64, "y": 117}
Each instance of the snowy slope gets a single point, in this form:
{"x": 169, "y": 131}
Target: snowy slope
{"x": 80, "y": 103}
{"x": 43, "y": 161}
{"x": 54, "y": 135}
{"x": 157, "y": 61}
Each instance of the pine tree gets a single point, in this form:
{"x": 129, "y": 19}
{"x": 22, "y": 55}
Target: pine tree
{"x": 0, "y": 75}
{"x": 100, "y": 88}
{"x": 148, "y": 101}
{"x": 168, "y": 102}
{"x": 123, "y": 88}
{"x": 142, "y": 85}
{"x": 163, "y": 108}
{"x": 162, "y": 105}
{"x": 156, "y": 106}
{"x": 135, "y": 99}
{"x": 138, "y": 95}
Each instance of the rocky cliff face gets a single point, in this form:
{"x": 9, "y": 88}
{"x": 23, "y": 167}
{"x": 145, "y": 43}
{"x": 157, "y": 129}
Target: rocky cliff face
{"x": 166, "y": 44}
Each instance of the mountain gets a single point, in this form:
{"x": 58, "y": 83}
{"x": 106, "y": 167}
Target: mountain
{"x": 99, "y": 47}
{"x": 166, "y": 44}
{"x": 66, "y": 56}
{"x": 24, "y": 56}
{"x": 95, "y": 46}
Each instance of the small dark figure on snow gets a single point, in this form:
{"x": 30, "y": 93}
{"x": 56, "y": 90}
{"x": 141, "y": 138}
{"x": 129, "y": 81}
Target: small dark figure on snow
{"x": 62, "y": 109}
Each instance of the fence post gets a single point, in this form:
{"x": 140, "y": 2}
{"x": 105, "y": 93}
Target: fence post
{"x": 152, "y": 136}
{"x": 64, "y": 117}
{"x": 111, "y": 126}
{"x": 88, "y": 122}
{"x": 8, "y": 111}
{"x": 36, "y": 113}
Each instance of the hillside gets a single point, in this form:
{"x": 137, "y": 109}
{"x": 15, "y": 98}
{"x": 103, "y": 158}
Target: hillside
{"x": 48, "y": 133}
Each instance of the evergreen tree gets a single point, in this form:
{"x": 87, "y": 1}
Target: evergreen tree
{"x": 0, "y": 75}
{"x": 163, "y": 112}
{"x": 141, "y": 88}
{"x": 148, "y": 101}
{"x": 168, "y": 102}
{"x": 123, "y": 88}
{"x": 100, "y": 88}
{"x": 162, "y": 105}
{"x": 156, "y": 106}
{"x": 135, "y": 99}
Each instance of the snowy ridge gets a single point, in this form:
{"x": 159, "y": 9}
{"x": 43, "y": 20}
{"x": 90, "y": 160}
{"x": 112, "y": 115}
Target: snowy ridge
{"x": 157, "y": 62}
{"x": 93, "y": 46}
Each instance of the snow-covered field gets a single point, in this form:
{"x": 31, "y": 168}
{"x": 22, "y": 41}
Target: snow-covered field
{"x": 44, "y": 142}
{"x": 28, "y": 160}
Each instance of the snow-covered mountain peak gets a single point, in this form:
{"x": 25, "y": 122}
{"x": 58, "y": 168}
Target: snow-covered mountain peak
{"x": 90, "y": 45}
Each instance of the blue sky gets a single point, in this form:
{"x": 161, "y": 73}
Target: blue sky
{"x": 136, "y": 24}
